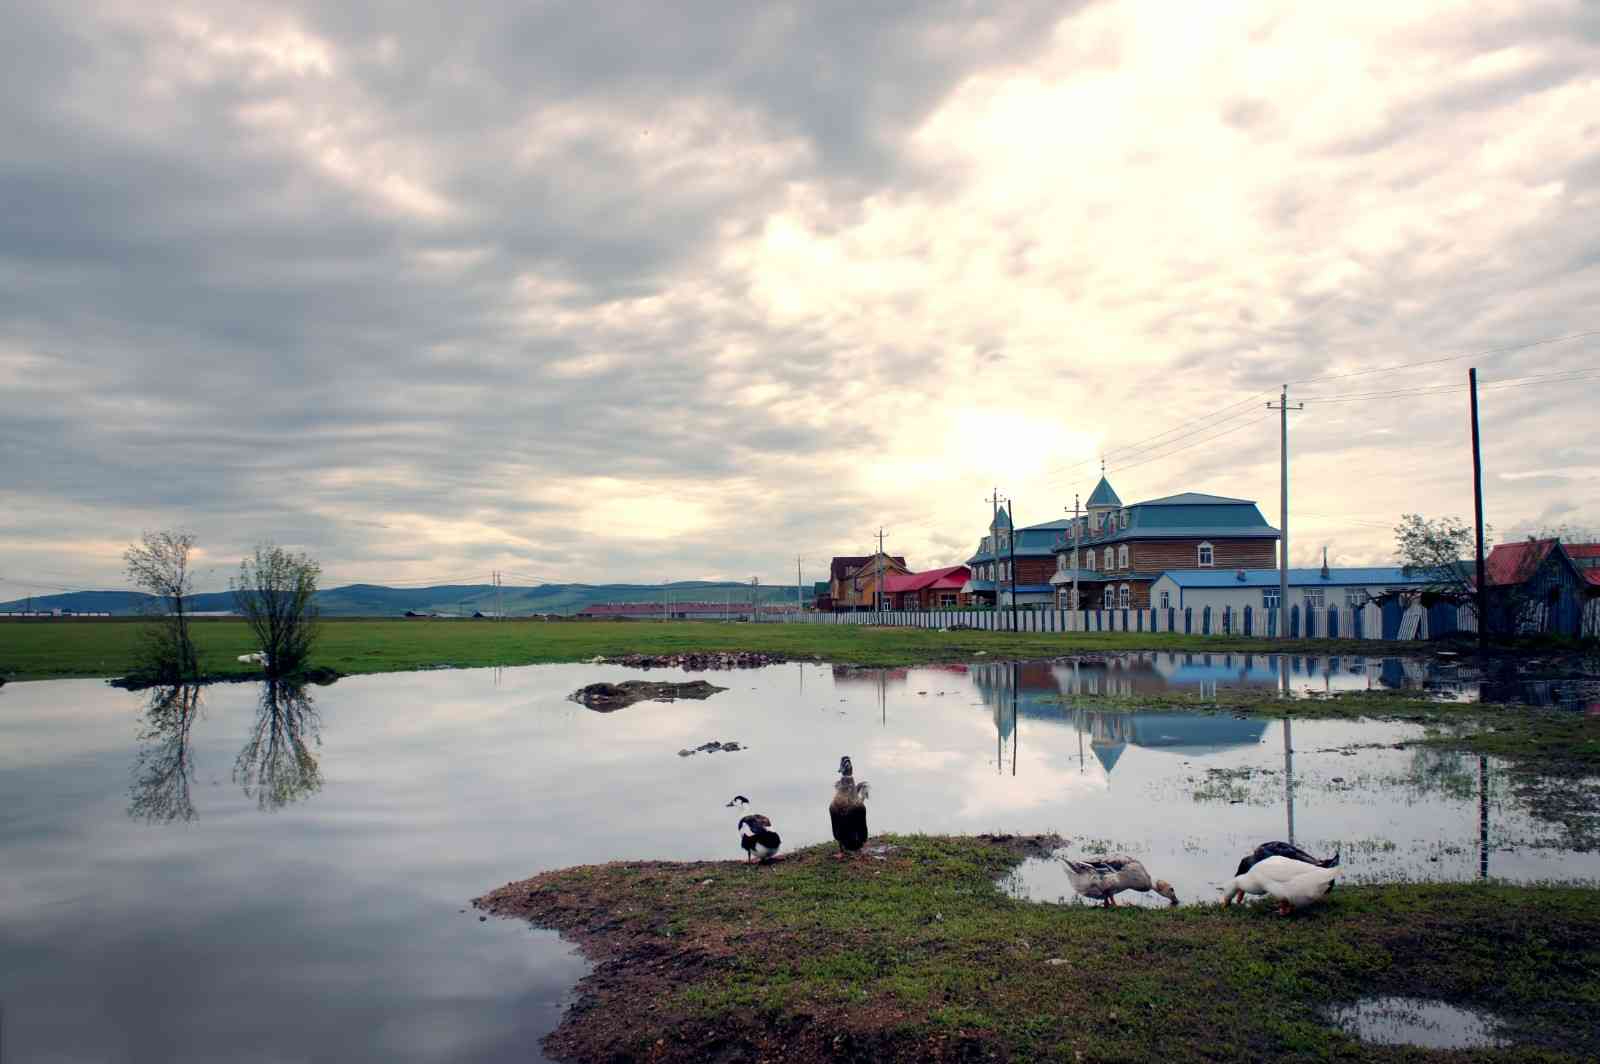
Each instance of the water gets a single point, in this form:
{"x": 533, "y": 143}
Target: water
{"x": 235, "y": 876}
{"x": 1402, "y": 1021}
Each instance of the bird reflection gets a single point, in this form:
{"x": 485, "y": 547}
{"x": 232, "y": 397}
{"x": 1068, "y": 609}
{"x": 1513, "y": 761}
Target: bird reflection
{"x": 276, "y": 766}
{"x": 164, "y": 768}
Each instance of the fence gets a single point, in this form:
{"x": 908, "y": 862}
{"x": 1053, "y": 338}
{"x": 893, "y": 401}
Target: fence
{"x": 1371, "y": 621}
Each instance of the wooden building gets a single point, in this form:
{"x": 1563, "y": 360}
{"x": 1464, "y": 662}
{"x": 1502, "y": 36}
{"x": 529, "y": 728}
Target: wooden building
{"x": 1014, "y": 563}
{"x": 1544, "y": 586}
{"x": 853, "y": 580}
{"x": 932, "y": 590}
{"x": 1117, "y": 551}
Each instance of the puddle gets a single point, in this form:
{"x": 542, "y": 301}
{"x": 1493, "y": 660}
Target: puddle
{"x": 334, "y": 835}
{"x": 1403, "y": 1021}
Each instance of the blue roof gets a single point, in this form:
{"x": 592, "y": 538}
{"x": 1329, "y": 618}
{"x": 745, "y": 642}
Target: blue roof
{"x": 1103, "y": 495}
{"x": 1001, "y": 520}
{"x": 1187, "y": 516}
{"x": 1033, "y": 541}
{"x": 1388, "y": 575}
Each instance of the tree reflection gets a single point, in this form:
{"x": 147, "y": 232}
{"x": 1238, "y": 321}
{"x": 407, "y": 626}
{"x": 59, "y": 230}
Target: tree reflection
{"x": 164, "y": 769}
{"x": 276, "y": 766}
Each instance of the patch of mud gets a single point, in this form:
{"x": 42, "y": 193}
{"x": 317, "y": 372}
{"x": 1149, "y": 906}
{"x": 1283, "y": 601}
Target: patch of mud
{"x": 610, "y": 697}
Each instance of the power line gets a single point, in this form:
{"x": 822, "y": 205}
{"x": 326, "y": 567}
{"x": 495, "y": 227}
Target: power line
{"x": 1450, "y": 358}
{"x": 1561, "y": 377}
{"x": 1209, "y": 420}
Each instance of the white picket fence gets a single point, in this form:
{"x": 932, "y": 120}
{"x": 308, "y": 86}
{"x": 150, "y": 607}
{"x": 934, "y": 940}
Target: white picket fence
{"x": 1331, "y": 623}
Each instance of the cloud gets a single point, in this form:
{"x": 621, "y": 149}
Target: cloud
{"x": 632, "y": 293}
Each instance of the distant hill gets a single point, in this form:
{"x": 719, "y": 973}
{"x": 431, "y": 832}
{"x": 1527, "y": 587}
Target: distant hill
{"x": 375, "y": 600}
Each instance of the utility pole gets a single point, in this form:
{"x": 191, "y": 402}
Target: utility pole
{"x": 994, "y": 549}
{"x": 878, "y": 592}
{"x": 1073, "y": 602}
{"x": 1283, "y": 409}
{"x": 1011, "y": 565}
{"x": 1477, "y": 504}
{"x": 799, "y": 582}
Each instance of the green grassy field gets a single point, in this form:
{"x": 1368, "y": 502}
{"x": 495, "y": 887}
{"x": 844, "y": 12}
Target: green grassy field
{"x": 60, "y": 648}
{"x": 919, "y": 957}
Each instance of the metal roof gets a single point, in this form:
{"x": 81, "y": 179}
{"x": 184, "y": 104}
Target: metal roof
{"x": 1387, "y": 575}
{"x": 1195, "y": 498}
{"x": 1103, "y": 494}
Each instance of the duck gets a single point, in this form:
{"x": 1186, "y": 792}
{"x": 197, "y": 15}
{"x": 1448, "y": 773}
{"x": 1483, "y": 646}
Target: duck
{"x": 1283, "y": 849}
{"x": 848, "y": 810}
{"x": 1295, "y": 884}
{"x": 737, "y": 799}
{"x": 761, "y": 843}
{"x": 1104, "y": 879}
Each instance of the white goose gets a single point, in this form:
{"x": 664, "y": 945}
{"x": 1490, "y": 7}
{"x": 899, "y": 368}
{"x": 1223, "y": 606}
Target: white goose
{"x": 1294, "y": 884}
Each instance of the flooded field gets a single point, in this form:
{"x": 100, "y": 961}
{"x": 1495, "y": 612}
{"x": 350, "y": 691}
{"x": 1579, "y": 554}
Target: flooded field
{"x": 279, "y": 874}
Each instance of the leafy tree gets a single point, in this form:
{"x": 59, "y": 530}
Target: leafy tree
{"x": 1441, "y": 552}
{"x": 276, "y": 592}
{"x": 164, "y": 772}
{"x": 159, "y": 564}
{"x": 277, "y": 765}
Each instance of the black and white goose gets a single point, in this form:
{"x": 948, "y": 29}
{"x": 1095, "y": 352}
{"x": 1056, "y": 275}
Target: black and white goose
{"x": 757, "y": 839}
{"x": 848, "y": 810}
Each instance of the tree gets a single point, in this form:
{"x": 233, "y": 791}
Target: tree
{"x": 276, "y": 592}
{"x": 1440, "y": 552}
{"x": 159, "y": 564}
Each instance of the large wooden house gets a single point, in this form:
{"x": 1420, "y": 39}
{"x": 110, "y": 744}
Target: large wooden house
{"x": 1014, "y": 564}
{"x": 853, "y": 580}
{"x": 1117, "y": 551}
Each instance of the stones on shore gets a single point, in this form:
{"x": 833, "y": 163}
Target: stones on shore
{"x": 610, "y": 697}
{"x": 713, "y": 747}
{"x": 696, "y": 661}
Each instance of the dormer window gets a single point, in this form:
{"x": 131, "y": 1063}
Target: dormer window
{"x": 1124, "y": 519}
{"x": 1122, "y": 557}
{"x": 1205, "y": 556}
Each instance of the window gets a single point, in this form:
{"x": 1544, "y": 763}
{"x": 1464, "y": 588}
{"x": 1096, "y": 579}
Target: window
{"x": 1109, "y": 563}
{"x": 1124, "y": 519}
{"x": 1123, "y": 596}
{"x": 1355, "y": 597}
{"x": 1269, "y": 598}
{"x": 1205, "y": 556}
{"x": 1061, "y": 563}
{"x": 1088, "y": 561}
{"x": 1316, "y": 598}
{"x": 948, "y": 598}
{"x": 1122, "y": 557}
{"x": 1111, "y": 597}
{"x": 1166, "y": 600}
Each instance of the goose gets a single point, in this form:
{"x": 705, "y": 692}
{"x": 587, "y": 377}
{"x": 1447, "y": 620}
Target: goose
{"x": 762, "y": 842}
{"x": 1295, "y": 884}
{"x": 848, "y": 810}
{"x": 737, "y": 799}
{"x": 1283, "y": 849}
{"x": 1107, "y": 877}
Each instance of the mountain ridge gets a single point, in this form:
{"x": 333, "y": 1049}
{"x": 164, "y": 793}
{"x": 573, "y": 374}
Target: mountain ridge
{"x": 450, "y": 600}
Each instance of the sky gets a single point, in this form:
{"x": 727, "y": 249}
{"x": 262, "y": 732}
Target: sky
{"x": 638, "y": 291}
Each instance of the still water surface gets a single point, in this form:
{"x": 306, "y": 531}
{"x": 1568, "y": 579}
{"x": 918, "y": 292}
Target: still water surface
{"x": 250, "y": 875}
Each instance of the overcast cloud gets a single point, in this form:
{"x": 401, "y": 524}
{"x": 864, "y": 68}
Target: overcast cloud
{"x": 647, "y": 291}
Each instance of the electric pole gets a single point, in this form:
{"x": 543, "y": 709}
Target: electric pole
{"x": 1283, "y": 409}
{"x": 799, "y": 581}
{"x": 879, "y": 591}
{"x": 1477, "y": 503}
{"x": 994, "y": 548}
{"x": 1011, "y": 565}
{"x": 1073, "y": 604}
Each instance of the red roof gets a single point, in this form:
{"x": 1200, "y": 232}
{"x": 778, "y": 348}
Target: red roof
{"x": 1512, "y": 563}
{"x": 1587, "y": 555}
{"x": 948, "y": 578}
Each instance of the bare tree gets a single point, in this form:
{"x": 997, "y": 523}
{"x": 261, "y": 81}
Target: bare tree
{"x": 277, "y": 765}
{"x": 165, "y": 766}
{"x": 159, "y": 564}
{"x": 276, "y": 592}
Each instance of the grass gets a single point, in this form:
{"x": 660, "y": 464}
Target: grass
{"x": 918, "y": 956}
{"x": 53, "y": 649}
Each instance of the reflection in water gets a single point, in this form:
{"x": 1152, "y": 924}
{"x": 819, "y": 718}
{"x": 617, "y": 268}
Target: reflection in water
{"x": 276, "y": 766}
{"x": 164, "y": 767}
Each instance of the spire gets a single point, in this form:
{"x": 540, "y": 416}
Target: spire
{"x": 1103, "y": 497}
